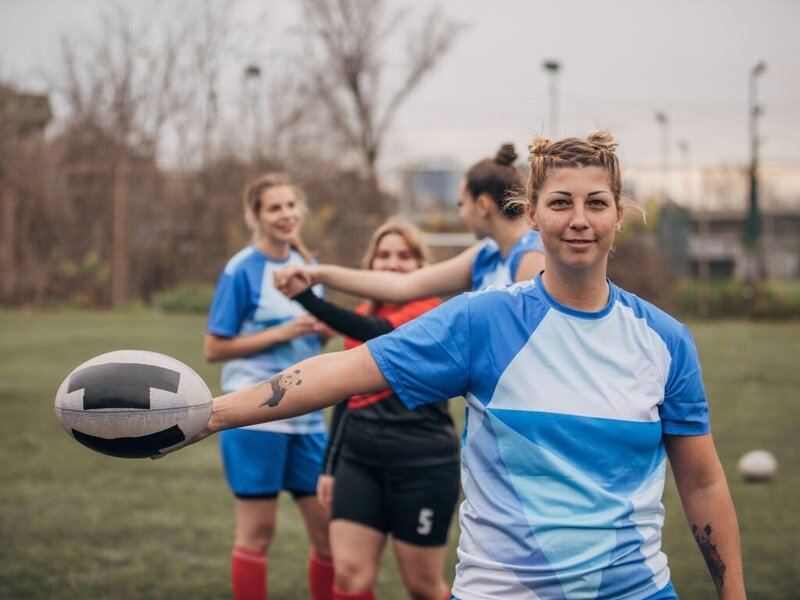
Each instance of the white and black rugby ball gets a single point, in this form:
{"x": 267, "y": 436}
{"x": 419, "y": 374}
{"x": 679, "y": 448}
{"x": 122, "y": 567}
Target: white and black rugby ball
{"x": 133, "y": 403}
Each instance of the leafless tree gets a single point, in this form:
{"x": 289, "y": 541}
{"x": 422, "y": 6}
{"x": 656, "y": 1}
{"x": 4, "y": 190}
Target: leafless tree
{"x": 350, "y": 67}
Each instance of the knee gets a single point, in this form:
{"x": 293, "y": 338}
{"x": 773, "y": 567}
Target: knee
{"x": 422, "y": 587}
{"x": 354, "y": 577}
{"x": 256, "y": 537}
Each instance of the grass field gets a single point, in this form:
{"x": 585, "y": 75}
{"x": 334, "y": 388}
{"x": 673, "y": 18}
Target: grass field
{"x": 78, "y": 525}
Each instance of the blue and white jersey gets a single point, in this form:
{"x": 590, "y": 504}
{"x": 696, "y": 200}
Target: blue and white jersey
{"x": 490, "y": 268}
{"x": 563, "y": 458}
{"x": 245, "y": 302}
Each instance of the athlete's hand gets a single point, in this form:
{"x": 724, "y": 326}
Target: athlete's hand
{"x": 302, "y": 326}
{"x": 325, "y": 490}
{"x": 209, "y": 429}
{"x": 292, "y": 280}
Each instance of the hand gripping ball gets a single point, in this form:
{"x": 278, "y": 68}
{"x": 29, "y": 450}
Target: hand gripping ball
{"x": 133, "y": 403}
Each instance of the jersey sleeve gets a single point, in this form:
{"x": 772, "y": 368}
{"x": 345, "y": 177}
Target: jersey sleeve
{"x": 685, "y": 407}
{"x": 229, "y": 305}
{"x": 427, "y": 359}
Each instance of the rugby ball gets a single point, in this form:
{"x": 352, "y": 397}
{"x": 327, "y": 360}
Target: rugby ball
{"x": 758, "y": 465}
{"x": 133, "y": 404}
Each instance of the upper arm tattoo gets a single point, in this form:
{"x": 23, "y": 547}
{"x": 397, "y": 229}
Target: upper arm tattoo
{"x": 279, "y": 385}
{"x": 709, "y": 550}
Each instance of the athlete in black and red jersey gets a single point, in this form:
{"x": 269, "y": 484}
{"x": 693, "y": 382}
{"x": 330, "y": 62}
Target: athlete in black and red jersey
{"x": 396, "y": 470}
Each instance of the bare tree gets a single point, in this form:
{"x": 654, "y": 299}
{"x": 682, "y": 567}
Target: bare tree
{"x": 350, "y": 62}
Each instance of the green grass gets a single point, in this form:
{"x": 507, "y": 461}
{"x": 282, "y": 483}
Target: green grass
{"x": 75, "y": 524}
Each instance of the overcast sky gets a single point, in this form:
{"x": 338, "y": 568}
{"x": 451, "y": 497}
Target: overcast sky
{"x": 622, "y": 61}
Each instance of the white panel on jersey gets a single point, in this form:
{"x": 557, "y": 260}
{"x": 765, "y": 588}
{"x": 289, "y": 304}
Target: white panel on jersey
{"x": 608, "y": 368}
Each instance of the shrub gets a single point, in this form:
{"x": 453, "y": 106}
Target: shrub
{"x": 191, "y": 298}
{"x": 737, "y": 299}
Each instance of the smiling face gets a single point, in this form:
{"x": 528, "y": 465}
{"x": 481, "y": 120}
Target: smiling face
{"x": 394, "y": 254}
{"x": 577, "y": 216}
{"x": 279, "y": 215}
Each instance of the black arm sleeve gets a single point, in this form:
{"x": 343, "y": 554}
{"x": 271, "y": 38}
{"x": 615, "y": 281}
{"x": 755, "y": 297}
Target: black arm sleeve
{"x": 347, "y": 322}
{"x": 338, "y": 424}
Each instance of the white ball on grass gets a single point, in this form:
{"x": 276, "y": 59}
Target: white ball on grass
{"x": 758, "y": 465}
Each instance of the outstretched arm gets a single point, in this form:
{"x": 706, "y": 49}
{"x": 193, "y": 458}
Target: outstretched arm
{"x": 309, "y": 385}
{"x": 447, "y": 277}
{"x": 709, "y": 510}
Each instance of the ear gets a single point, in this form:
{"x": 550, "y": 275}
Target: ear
{"x": 532, "y": 216}
{"x": 620, "y": 217}
{"x": 485, "y": 203}
{"x": 250, "y": 220}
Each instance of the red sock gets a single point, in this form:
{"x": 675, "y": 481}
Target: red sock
{"x": 320, "y": 577}
{"x": 248, "y": 574}
{"x": 340, "y": 595}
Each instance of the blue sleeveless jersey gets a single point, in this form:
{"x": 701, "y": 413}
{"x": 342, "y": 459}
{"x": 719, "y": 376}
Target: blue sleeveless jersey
{"x": 490, "y": 268}
{"x": 245, "y": 302}
{"x": 563, "y": 458}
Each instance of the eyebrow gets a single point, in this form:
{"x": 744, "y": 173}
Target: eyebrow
{"x": 570, "y": 193}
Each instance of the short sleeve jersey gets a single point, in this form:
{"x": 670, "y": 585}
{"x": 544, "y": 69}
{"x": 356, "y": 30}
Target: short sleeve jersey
{"x": 563, "y": 458}
{"x": 490, "y": 268}
{"x": 246, "y": 301}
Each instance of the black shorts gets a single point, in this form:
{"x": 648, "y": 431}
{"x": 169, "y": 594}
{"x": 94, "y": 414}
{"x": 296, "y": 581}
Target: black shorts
{"x": 414, "y": 504}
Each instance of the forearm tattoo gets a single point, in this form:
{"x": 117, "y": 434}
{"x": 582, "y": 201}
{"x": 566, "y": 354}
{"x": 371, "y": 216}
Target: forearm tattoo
{"x": 709, "y": 550}
{"x": 279, "y": 385}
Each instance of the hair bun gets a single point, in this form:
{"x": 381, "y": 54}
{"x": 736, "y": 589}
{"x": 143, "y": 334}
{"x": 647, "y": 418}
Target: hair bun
{"x": 506, "y": 155}
{"x": 539, "y": 146}
{"x": 603, "y": 139}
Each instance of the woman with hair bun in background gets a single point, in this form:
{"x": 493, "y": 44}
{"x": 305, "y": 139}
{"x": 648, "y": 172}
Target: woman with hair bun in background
{"x": 508, "y": 252}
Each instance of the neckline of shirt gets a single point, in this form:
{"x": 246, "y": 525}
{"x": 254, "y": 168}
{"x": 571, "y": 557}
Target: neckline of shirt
{"x": 272, "y": 258}
{"x": 613, "y": 294}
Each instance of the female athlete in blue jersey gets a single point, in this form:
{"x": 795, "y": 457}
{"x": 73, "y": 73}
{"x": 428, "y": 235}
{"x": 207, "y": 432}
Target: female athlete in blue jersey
{"x": 579, "y": 392}
{"x": 509, "y": 250}
{"x": 259, "y": 332}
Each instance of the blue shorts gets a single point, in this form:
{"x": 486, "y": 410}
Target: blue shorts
{"x": 259, "y": 464}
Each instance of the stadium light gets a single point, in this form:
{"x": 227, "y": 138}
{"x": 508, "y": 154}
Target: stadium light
{"x": 755, "y": 110}
{"x": 552, "y": 67}
{"x": 663, "y": 121}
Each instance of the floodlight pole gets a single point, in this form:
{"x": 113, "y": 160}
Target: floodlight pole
{"x": 552, "y": 67}
{"x": 663, "y": 122}
{"x": 752, "y": 238}
{"x": 252, "y": 75}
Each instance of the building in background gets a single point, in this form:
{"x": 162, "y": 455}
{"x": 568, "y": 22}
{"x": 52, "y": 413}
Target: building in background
{"x": 705, "y": 211}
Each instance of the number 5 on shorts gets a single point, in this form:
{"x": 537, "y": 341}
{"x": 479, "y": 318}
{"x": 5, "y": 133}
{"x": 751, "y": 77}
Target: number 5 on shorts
{"x": 425, "y": 521}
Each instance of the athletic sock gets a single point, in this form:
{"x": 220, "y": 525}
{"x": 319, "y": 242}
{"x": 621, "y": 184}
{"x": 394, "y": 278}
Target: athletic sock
{"x": 248, "y": 574}
{"x": 340, "y": 595}
{"x": 320, "y": 577}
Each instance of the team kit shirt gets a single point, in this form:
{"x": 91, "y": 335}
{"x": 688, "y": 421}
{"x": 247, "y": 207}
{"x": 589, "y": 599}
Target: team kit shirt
{"x": 563, "y": 457}
{"x": 246, "y": 302}
{"x": 490, "y": 268}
